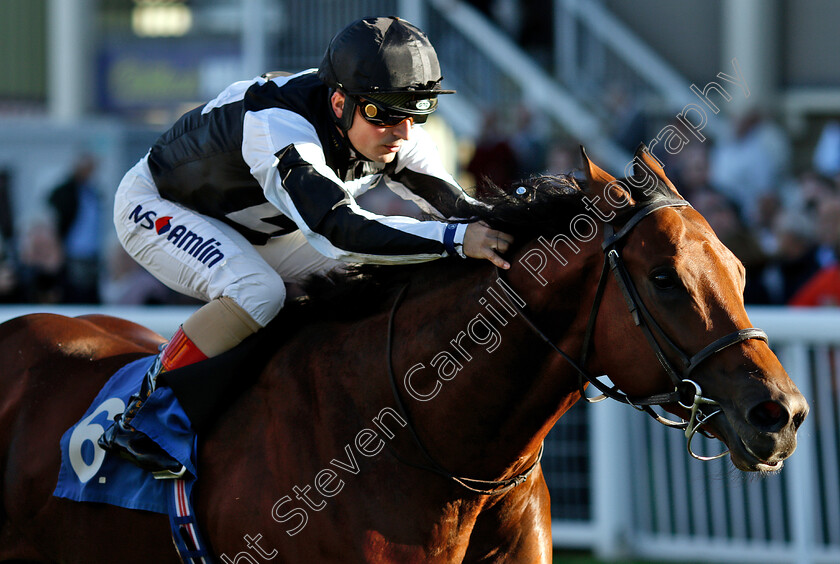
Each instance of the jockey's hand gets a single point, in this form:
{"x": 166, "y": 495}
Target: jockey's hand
{"x": 482, "y": 242}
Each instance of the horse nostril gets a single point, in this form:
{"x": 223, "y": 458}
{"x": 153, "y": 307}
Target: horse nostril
{"x": 769, "y": 416}
{"x": 798, "y": 419}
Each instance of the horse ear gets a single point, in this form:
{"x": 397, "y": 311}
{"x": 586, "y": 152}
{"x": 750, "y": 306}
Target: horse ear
{"x": 645, "y": 165}
{"x": 601, "y": 183}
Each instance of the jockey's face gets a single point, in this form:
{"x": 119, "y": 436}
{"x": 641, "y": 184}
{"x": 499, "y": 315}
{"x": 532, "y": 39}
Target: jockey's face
{"x": 379, "y": 144}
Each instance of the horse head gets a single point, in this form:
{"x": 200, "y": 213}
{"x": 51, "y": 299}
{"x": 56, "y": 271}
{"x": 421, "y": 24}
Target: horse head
{"x": 666, "y": 319}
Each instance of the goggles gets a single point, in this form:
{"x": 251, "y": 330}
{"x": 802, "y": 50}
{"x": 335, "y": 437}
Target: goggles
{"x": 380, "y": 115}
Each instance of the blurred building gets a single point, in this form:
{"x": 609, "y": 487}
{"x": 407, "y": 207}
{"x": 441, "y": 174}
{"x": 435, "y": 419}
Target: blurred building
{"x": 106, "y": 76}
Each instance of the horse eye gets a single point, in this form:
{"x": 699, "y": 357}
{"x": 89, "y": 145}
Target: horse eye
{"x": 665, "y": 279}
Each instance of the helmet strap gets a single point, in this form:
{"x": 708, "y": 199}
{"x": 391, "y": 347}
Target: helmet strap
{"x": 345, "y": 122}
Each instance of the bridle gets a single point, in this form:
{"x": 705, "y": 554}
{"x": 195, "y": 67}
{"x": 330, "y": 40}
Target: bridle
{"x": 686, "y": 392}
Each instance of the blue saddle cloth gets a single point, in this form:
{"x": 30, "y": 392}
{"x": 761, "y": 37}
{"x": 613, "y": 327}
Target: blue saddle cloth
{"x": 88, "y": 473}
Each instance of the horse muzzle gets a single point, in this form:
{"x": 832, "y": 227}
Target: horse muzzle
{"x": 762, "y": 436}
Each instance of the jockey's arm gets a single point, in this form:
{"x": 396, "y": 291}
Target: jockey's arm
{"x": 309, "y": 193}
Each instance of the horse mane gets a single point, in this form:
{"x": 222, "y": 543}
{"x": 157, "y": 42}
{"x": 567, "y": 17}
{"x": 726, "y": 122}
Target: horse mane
{"x": 539, "y": 205}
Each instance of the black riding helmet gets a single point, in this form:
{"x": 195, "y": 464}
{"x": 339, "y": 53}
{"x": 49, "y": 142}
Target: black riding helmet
{"x": 387, "y": 61}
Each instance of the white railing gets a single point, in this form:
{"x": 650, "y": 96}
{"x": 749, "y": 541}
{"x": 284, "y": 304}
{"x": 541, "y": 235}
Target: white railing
{"x": 644, "y": 497}
{"x": 651, "y": 501}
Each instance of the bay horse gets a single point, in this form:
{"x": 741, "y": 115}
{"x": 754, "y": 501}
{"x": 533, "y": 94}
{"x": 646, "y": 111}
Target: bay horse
{"x": 405, "y": 424}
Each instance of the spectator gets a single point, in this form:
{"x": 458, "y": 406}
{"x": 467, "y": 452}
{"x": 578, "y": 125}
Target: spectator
{"x": 78, "y": 216}
{"x": 813, "y": 188}
{"x": 828, "y": 230}
{"x": 528, "y": 144}
{"x": 8, "y": 282}
{"x": 795, "y": 261}
{"x": 728, "y": 225}
{"x": 8, "y": 275}
{"x": 752, "y": 163}
{"x": 823, "y": 289}
{"x": 41, "y": 267}
{"x": 127, "y": 283}
{"x": 562, "y": 157}
{"x": 827, "y": 152}
{"x": 7, "y": 225}
{"x": 628, "y": 124}
{"x": 691, "y": 171}
{"x": 768, "y": 209}
{"x": 819, "y": 194}
{"x": 494, "y": 159}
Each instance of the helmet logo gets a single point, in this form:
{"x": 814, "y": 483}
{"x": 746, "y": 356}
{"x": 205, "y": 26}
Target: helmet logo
{"x": 423, "y": 104}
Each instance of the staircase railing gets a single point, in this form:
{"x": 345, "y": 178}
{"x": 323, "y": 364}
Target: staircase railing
{"x": 592, "y": 50}
{"x": 491, "y": 71}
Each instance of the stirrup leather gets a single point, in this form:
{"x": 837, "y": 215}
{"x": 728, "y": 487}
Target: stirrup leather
{"x": 132, "y": 445}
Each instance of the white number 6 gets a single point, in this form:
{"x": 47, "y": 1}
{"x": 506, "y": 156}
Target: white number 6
{"x": 87, "y": 431}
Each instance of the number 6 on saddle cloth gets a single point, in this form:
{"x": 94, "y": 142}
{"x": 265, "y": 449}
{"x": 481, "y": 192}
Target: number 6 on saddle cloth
{"x": 184, "y": 405}
{"x": 186, "y": 402}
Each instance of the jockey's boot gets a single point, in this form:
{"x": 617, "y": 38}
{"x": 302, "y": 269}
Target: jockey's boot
{"x": 135, "y": 446}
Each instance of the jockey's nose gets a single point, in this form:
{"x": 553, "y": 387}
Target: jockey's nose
{"x": 403, "y": 129}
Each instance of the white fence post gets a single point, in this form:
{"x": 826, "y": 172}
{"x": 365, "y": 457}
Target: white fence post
{"x": 610, "y": 462}
{"x": 801, "y": 466}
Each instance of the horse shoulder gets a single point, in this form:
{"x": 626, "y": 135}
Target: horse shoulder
{"x": 516, "y": 527}
{"x": 53, "y": 367}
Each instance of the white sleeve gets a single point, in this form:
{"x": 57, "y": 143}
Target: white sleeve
{"x": 284, "y": 154}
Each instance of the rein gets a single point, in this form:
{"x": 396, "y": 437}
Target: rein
{"x": 686, "y": 392}
{"x": 484, "y": 487}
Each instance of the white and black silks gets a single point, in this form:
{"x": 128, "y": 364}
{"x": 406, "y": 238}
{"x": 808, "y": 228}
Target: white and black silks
{"x": 266, "y": 158}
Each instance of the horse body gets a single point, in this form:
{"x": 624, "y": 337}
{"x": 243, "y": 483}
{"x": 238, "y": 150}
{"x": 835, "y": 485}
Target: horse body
{"x": 53, "y": 368}
{"x": 372, "y": 517}
{"x": 317, "y": 462}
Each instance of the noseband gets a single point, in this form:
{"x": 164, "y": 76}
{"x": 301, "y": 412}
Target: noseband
{"x": 686, "y": 392}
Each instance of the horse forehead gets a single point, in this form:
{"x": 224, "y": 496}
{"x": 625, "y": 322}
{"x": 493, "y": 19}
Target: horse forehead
{"x": 665, "y": 232}
{"x": 685, "y": 236}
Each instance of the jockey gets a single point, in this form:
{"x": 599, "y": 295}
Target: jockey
{"x": 258, "y": 187}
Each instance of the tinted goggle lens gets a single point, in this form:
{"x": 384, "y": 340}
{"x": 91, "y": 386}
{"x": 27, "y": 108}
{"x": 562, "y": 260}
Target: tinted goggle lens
{"x": 389, "y": 117}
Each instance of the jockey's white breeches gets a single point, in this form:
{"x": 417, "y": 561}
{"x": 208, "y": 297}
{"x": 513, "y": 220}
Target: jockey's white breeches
{"x": 205, "y": 258}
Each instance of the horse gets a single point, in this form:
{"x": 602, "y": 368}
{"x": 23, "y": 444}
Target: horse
{"x": 403, "y": 420}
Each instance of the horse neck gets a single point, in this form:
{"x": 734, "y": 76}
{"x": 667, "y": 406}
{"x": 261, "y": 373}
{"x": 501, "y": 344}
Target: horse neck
{"x": 481, "y": 387}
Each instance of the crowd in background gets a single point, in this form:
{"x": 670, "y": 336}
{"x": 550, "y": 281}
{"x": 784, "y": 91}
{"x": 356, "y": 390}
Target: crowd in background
{"x": 62, "y": 259}
{"x": 782, "y": 223}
